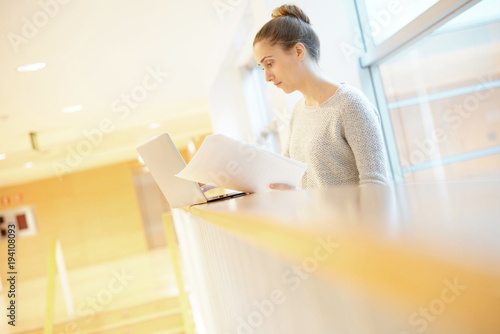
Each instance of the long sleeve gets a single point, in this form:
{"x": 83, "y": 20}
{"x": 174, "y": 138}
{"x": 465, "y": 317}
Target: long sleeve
{"x": 362, "y": 131}
{"x": 286, "y": 149}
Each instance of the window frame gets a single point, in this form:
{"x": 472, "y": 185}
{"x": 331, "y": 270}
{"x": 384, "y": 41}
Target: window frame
{"x": 421, "y": 26}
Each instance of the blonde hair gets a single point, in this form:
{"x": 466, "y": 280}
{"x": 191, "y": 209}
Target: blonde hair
{"x": 289, "y": 25}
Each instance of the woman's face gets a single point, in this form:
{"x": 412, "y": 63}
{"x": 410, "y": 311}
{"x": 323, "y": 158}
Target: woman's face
{"x": 281, "y": 67}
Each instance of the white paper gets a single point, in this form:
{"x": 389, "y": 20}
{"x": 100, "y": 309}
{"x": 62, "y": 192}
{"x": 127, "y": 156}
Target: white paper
{"x": 229, "y": 163}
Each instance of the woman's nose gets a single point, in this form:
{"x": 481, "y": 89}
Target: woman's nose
{"x": 268, "y": 76}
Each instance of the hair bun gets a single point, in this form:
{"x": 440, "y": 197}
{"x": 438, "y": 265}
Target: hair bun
{"x": 290, "y": 10}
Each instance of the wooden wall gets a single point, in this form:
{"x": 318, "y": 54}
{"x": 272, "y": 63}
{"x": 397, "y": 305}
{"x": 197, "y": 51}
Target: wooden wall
{"x": 94, "y": 213}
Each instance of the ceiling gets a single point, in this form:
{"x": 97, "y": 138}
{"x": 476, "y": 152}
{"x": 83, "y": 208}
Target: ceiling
{"x": 130, "y": 64}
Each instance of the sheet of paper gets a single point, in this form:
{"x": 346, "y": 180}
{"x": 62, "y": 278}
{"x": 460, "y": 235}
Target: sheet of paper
{"x": 229, "y": 163}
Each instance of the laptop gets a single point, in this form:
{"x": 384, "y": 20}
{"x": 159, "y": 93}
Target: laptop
{"x": 163, "y": 160}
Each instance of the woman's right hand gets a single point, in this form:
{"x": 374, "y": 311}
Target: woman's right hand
{"x": 281, "y": 186}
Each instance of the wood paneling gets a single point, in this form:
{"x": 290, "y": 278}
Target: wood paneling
{"x": 94, "y": 213}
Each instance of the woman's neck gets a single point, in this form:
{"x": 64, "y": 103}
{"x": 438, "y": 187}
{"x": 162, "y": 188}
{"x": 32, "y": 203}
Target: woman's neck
{"x": 316, "y": 88}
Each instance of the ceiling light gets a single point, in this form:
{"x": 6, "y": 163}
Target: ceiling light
{"x": 140, "y": 159}
{"x": 28, "y": 165}
{"x": 154, "y": 125}
{"x": 76, "y": 107}
{"x": 2, "y": 156}
{"x": 31, "y": 67}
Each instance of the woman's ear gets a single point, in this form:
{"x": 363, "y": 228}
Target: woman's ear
{"x": 299, "y": 51}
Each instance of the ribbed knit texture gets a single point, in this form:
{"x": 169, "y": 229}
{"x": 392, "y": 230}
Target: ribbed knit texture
{"x": 340, "y": 140}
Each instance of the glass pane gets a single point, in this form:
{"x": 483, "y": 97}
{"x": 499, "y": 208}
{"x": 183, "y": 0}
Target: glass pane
{"x": 443, "y": 96}
{"x": 480, "y": 168}
{"x": 382, "y": 18}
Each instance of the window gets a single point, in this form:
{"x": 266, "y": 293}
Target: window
{"x": 382, "y": 18}
{"x": 264, "y": 130}
{"x": 438, "y": 86}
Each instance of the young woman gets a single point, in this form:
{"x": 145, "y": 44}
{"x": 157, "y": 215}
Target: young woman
{"x": 333, "y": 128}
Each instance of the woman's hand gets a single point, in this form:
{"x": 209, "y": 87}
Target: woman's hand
{"x": 281, "y": 186}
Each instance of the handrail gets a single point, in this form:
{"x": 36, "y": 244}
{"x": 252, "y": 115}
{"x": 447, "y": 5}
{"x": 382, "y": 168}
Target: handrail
{"x": 56, "y": 264}
{"x": 51, "y": 286}
{"x": 394, "y": 265}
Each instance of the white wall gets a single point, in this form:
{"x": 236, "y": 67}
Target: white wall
{"x": 227, "y": 103}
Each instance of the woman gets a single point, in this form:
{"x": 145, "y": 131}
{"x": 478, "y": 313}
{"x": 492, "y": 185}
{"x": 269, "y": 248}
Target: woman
{"x": 333, "y": 128}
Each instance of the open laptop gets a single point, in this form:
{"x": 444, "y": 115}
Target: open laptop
{"x": 163, "y": 160}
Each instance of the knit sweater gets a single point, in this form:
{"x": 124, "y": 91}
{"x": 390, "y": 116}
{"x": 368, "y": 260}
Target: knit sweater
{"x": 340, "y": 140}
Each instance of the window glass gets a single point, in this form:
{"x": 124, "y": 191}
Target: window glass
{"x": 380, "y": 19}
{"x": 443, "y": 97}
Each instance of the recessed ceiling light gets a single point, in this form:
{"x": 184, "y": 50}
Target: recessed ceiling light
{"x": 31, "y": 67}
{"x": 154, "y": 125}
{"x": 74, "y": 108}
{"x": 2, "y": 156}
{"x": 28, "y": 165}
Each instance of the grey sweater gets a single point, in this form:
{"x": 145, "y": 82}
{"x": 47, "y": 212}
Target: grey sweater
{"x": 340, "y": 140}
